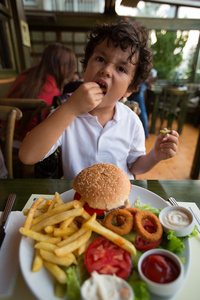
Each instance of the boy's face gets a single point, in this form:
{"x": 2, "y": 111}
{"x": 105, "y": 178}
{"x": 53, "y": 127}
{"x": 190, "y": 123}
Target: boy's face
{"x": 111, "y": 67}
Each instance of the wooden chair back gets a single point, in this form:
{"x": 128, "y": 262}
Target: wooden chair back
{"x": 30, "y": 109}
{"x": 134, "y": 107}
{"x": 10, "y": 115}
{"x": 174, "y": 106}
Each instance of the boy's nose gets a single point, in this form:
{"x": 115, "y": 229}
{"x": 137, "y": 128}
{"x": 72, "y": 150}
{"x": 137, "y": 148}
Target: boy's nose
{"x": 106, "y": 71}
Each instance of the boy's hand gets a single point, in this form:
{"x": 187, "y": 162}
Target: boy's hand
{"x": 166, "y": 145}
{"x": 86, "y": 98}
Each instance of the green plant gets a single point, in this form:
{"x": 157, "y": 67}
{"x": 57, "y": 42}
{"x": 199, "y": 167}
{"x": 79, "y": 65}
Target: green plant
{"x": 168, "y": 52}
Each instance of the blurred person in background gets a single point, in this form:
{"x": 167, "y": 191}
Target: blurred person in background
{"x": 140, "y": 97}
{"x": 45, "y": 80}
{"x": 77, "y": 76}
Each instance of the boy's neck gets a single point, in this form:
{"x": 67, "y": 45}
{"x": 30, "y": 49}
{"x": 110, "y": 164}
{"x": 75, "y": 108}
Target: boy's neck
{"x": 103, "y": 114}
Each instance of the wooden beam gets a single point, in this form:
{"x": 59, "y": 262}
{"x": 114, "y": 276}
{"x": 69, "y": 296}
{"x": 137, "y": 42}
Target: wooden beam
{"x": 77, "y": 21}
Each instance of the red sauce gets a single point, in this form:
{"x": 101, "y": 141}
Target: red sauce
{"x": 160, "y": 268}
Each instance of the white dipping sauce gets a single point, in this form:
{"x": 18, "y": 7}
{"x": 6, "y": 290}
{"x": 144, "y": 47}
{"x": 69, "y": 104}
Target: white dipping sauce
{"x": 104, "y": 287}
{"x": 176, "y": 219}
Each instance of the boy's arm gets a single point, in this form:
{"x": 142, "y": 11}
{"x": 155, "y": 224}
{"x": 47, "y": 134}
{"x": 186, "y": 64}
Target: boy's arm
{"x": 41, "y": 138}
{"x": 166, "y": 146}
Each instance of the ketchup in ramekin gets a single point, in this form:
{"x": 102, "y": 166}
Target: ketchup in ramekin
{"x": 160, "y": 268}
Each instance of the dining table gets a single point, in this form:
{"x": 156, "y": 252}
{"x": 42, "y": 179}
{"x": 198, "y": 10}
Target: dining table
{"x": 184, "y": 191}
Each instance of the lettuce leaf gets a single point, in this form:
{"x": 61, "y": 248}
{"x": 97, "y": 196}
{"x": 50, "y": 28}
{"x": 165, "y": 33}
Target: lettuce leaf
{"x": 73, "y": 284}
{"x": 194, "y": 233}
{"x": 138, "y": 204}
{"x": 139, "y": 287}
{"x": 172, "y": 243}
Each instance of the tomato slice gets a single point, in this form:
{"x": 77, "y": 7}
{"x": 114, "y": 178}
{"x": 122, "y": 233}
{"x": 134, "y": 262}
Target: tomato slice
{"x": 89, "y": 209}
{"x": 105, "y": 257}
{"x": 142, "y": 245}
{"x": 77, "y": 196}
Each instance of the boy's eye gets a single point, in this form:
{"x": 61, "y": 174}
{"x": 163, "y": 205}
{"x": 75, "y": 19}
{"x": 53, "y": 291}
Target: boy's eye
{"x": 121, "y": 69}
{"x": 99, "y": 58}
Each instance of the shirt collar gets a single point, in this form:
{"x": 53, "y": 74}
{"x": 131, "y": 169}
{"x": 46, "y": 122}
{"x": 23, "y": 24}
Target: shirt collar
{"x": 117, "y": 115}
{"x": 118, "y": 112}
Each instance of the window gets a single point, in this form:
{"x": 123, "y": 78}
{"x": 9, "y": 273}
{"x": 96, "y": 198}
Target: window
{"x": 6, "y": 51}
{"x": 146, "y": 9}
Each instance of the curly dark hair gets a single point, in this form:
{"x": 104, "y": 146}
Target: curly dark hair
{"x": 123, "y": 34}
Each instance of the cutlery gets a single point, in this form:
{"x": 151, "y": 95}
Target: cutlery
{"x": 174, "y": 203}
{"x": 4, "y": 216}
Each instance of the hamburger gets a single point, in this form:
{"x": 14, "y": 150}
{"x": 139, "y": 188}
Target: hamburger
{"x": 103, "y": 187}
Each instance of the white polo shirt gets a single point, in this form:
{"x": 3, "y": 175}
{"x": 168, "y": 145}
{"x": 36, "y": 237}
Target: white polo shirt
{"x": 85, "y": 142}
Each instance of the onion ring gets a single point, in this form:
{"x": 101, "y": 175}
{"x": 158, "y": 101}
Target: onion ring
{"x": 132, "y": 210}
{"x": 140, "y": 219}
{"x": 127, "y": 221}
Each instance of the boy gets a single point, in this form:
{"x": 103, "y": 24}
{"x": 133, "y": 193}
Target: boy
{"x": 92, "y": 126}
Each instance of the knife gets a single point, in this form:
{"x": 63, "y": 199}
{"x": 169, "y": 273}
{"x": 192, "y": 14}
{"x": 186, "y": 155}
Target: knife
{"x": 4, "y": 216}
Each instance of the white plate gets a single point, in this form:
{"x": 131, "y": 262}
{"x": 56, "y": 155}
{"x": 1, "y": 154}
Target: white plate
{"x": 42, "y": 284}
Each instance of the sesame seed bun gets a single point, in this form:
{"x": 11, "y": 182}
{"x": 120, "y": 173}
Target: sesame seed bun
{"x": 103, "y": 186}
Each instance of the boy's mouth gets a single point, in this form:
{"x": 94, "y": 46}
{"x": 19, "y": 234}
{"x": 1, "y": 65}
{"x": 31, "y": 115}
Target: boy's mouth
{"x": 102, "y": 87}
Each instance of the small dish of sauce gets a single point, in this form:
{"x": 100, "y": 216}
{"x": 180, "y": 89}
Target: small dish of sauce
{"x": 177, "y": 218}
{"x": 162, "y": 271}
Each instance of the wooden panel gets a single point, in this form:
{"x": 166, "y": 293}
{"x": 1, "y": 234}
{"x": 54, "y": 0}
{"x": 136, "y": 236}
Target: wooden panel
{"x": 86, "y": 21}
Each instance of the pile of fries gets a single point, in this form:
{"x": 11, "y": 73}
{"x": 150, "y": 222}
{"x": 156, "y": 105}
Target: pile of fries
{"x": 61, "y": 232}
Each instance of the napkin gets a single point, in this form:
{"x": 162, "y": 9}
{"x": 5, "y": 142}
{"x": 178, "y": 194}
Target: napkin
{"x": 9, "y": 262}
{"x": 191, "y": 288}
{"x": 194, "y": 210}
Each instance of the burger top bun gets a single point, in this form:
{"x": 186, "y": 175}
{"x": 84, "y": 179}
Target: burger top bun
{"x": 103, "y": 186}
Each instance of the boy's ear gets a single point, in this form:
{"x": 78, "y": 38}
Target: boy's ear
{"x": 129, "y": 92}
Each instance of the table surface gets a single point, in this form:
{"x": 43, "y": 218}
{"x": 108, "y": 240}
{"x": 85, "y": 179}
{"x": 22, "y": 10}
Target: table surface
{"x": 182, "y": 190}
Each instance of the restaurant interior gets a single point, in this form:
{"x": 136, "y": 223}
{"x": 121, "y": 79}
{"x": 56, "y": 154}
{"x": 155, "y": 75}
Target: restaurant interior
{"x": 173, "y": 100}
{"x": 51, "y": 240}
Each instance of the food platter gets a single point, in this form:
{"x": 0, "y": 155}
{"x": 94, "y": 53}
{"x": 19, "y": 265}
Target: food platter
{"x": 42, "y": 284}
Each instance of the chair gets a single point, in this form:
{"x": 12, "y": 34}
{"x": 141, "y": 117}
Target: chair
{"x": 174, "y": 106}
{"x": 153, "y": 99}
{"x": 9, "y": 115}
{"x": 134, "y": 107}
{"x": 30, "y": 109}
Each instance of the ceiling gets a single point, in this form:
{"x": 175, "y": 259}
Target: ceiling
{"x": 192, "y": 3}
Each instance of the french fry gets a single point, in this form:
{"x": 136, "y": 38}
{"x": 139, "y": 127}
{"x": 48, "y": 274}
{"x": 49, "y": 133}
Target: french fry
{"x": 56, "y": 200}
{"x": 56, "y": 271}
{"x": 31, "y": 212}
{"x": 46, "y": 246}
{"x": 25, "y": 212}
{"x": 73, "y": 245}
{"x": 44, "y": 207}
{"x": 49, "y": 229}
{"x": 65, "y": 224}
{"x": 51, "y": 257}
{"x": 85, "y": 215}
{"x": 37, "y": 261}
{"x": 37, "y": 213}
{"x": 93, "y": 225}
{"x": 63, "y": 232}
{"x": 39, "y": 236}
{"x": 74, "y": 225}
{"x": 72, "y": 237}
{"x": 57, "y": 218}
{"x": 60, "y": 290}
{"x": 81, "y": 250}
{"x": 56, "y": 210}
